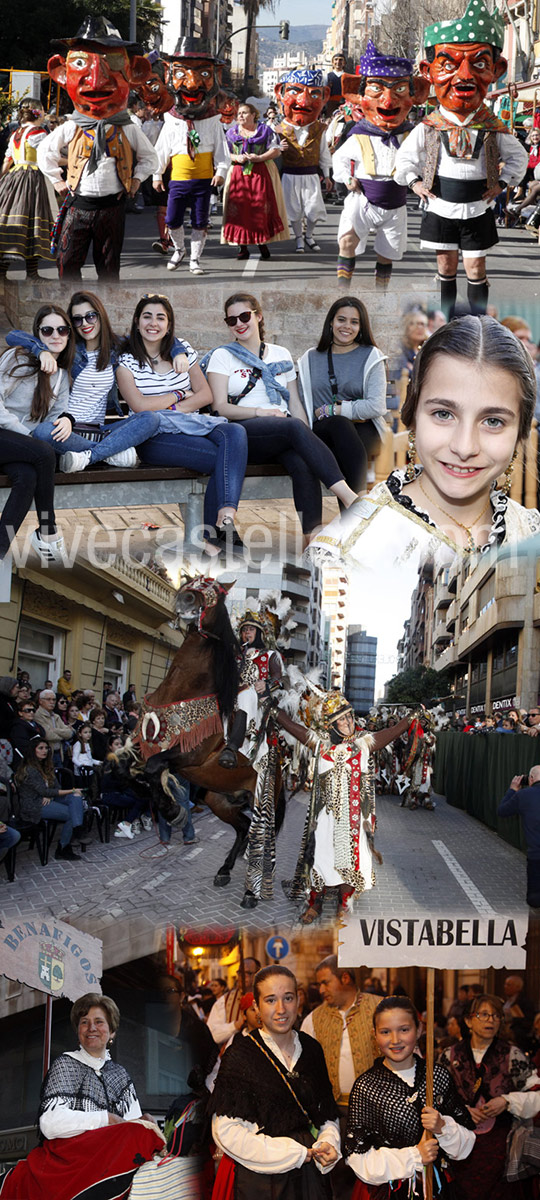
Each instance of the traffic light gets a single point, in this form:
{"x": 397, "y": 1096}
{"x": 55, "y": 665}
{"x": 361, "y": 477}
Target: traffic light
{"x": 284, "y": 27}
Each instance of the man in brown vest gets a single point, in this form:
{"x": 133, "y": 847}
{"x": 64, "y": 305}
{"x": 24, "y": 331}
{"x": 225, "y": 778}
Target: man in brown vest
{"x": 108, "y": 155}
{"x": 344, "y": 1027}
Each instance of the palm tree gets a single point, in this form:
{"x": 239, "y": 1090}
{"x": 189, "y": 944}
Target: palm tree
{"x": 252, "y": 9}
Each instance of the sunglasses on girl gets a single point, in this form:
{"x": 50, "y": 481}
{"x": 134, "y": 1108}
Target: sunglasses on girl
{"x": 48, "y": 330}
{"x": 243, "y": 317}
{"x": 88, "y": 318}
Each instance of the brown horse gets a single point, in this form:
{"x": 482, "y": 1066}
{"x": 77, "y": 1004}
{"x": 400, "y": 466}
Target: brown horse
{"x": 181, "y": 726}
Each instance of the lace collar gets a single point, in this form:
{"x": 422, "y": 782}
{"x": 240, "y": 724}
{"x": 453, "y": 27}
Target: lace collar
{"x": 499, "y": 502}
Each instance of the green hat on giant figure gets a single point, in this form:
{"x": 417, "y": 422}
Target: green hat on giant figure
{"x": 477, "y": 25}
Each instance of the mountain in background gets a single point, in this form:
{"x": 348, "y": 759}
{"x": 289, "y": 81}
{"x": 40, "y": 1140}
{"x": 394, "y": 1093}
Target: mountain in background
{"x": 302, "y": 37}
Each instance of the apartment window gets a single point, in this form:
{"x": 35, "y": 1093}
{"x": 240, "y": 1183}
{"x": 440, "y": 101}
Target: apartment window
{"x": 40, "y": 651}
{"x": 116, "y": 668}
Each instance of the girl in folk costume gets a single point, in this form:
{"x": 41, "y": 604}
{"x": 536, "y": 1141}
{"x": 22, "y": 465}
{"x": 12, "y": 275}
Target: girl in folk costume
{"x": 253, "y": 204}
{"x": 253, "y": 731}
{"x": 274, "y": 1115}
{"x": 468, "y": 411}
{"x": 392, "y": 1134}
{"x": 341, "y": 818}
{"x": 26, "y": 217}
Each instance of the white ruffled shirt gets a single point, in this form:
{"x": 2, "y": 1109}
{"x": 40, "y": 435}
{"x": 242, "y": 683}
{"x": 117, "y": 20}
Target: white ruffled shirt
{"x": 243, "y": 1140}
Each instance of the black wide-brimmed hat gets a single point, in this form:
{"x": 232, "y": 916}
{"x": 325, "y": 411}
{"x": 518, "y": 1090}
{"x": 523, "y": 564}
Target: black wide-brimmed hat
{"x": 99, "y": 31}
{"x": 191, "y": 47}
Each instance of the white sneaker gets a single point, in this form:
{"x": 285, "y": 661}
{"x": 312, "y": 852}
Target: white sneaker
{"x": 147, "y": 822}
{"x": 176, "y": 259}
{"x": 75, "y": 460}
{"x": 49, "y": 552}
{"x": 124, "y": 458}
{"x": 124, "y": 830}
{"x": 195, "y": 267}
{"x": 136, "y": 827}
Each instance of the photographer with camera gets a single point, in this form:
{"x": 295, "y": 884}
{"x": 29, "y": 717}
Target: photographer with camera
{"x": 523, "y": 800}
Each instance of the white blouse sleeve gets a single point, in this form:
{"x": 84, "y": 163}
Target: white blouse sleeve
{"x": 380, "y": 1166}
{"x": 524, "y": 1104}
{"x": 65, "y": 1122}
{"x": 329, "y": 1132}
{"x": 257, "y": 1151}
{"x": 455, "y": 1140}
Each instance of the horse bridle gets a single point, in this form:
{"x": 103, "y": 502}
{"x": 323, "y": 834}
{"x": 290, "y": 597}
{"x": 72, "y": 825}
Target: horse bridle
{"x": 211, "y": 591}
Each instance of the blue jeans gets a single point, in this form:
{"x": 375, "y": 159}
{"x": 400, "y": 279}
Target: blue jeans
{"x": 125, "y": 433}
{"x": 68, "y": 809}
{"x": 134, "y": 804}
{"x": 180, "y": 790}
{"x": 222, "y": 455}
{"x": 8, "y": 838}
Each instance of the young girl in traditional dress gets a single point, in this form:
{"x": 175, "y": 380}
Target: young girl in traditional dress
{"x": 392, "y": 1134}
{"x": 26, "y": 218}
{"x": 469, "y": 407}
{"x": 253, "y": 204}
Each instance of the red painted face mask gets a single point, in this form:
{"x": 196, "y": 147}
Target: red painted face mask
{"x": 303, "y": 104}
{"x": 98, "y": 81}
{"x": 228, "y": 109}
{"x": 387, "y": 102}
{"x": 156, "y": 95}
{"x": 194, "y": 83}
{"x": 461, "y": 76}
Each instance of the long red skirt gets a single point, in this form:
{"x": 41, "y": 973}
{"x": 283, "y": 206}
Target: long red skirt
{"x": 251, "y": 211}
{"x": 98, "y": 1165}
{"x": 224, "y": 1184}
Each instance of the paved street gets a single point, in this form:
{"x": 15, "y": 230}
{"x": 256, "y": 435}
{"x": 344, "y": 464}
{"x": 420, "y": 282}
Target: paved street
{"x": 142, "y": 883}
{"x": 513, "y": 267}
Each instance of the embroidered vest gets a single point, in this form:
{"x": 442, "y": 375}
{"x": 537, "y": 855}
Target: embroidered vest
{"x": 118, "y": 147}
{"x": 23, "y": 153}
{"x": 328, "y": 1029}
{"x": 433, "y": 141}
{"x": 302, "y": 156}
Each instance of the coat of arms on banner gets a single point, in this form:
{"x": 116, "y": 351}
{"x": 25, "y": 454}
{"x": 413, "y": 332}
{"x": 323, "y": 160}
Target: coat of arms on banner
{"x": 51, "y": 967}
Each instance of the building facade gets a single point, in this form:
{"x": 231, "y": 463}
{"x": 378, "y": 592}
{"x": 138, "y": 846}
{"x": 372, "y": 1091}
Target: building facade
{"x": 361, "y": 664}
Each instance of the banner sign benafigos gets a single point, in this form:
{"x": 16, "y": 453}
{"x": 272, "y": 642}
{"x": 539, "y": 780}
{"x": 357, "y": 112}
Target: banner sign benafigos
{"x": 52, "y": 957}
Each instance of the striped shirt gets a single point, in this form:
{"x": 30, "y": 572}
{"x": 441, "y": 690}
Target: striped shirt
{"x": 150, "y": 383}
{"x": 88, "y": 396}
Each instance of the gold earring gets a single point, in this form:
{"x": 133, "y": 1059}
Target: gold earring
{"x": 507, "y": 484}
{"x": 411, "y": 457}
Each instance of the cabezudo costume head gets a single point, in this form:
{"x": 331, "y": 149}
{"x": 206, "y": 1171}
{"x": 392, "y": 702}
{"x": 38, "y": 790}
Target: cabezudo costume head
{"x": 194, "y": 74}
{"x": 463, "y": 58}
{"x": 302, "y": 96}
{"x": 98, "y": 68}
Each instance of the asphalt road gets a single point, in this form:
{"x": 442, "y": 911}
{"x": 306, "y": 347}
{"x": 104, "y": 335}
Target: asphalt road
{"x": 513, "y": 268}
{"x": 434, "y": 862}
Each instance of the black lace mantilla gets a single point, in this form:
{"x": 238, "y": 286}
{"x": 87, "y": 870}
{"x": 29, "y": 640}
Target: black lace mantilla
{"x": 85, "y": 1090}
{"x": 499, "y": 504}
{"x": 249, "y": 1087}
{"x": 385, "y": 1111}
